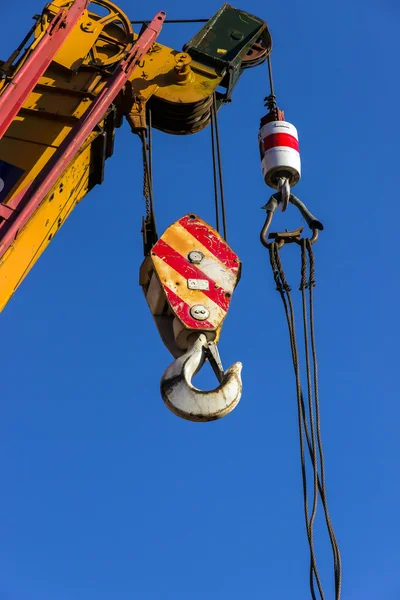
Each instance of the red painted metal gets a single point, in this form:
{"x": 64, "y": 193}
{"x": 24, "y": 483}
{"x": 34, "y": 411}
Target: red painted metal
{"x": 22, "y": 84}
{"x": 280, "y": 139}
{"x": 5, "y": 211}
{"x": 182, "y": 311}
{"x": 207, "y": 280}
{"x": 212, "y": 242}
{"x": 28, "y": 200}
{"x": 189, "y": 271}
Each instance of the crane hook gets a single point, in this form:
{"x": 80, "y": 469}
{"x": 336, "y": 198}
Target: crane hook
{"x": 190, "y": 403}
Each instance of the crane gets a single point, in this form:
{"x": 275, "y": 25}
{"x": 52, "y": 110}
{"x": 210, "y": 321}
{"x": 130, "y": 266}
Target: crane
{"x": 77, "y": 75}
{"x": 64, "y": 93}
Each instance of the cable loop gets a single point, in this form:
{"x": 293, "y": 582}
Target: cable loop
{"x": 309, "y": 422}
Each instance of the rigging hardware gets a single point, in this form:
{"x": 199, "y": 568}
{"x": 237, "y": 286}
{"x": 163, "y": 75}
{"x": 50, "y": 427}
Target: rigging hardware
{"x": 288, "y": 236}
{"x": 186, "y": 401}
{"x": 188, "y": 280}
{"x": 313, "y": 440}
{"x": 281, "y": 167}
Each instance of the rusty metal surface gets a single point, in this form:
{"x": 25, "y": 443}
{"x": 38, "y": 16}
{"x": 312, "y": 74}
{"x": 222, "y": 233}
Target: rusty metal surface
{"x": 258, "y": 51}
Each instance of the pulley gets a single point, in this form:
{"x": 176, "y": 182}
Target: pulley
{"x": 188, "y": 280}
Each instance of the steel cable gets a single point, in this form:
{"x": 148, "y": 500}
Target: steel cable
{"x": 147, "y": 152}
{"x": 284, "y": 288}
{"x": 313, "y": 453}
{"x": 335, "y": 546}
{"x": 215, "y": 172}
{"x": 170, "y": 21}
{"x": 314, "y": 440}
{"x": 219, "y": 195}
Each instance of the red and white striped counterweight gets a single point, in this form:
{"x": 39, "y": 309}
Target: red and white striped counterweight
{"x": 279, "y": 150}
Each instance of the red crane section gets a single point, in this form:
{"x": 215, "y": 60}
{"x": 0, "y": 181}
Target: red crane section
{"x": 22, "y": 84}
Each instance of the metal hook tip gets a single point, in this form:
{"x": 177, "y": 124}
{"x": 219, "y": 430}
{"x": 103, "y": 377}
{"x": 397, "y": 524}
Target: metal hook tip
{"x": 316, "y": 225}
{"x": 192, "y": 404}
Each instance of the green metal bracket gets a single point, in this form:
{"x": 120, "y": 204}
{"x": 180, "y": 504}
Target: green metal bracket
{"x": 226, "y": 42}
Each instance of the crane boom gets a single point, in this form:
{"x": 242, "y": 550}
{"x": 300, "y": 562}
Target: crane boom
{"x": 39, "y": 59}
{"x": 27, "y": 201}
{"x": 54, "y": 150}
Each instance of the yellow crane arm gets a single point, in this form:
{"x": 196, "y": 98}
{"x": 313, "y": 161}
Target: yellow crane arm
{"x": 178, "y": 86}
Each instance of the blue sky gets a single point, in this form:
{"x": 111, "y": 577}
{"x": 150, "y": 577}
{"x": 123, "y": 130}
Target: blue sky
{"x": 105, "y": 493}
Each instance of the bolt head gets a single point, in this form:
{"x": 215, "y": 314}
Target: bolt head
{"x": 195, "y": 257}
{"x": 88, "y": 27}
{"x": 182, "y": 61}
{"x": 237, "y": 35}
{"x": 199, "y": 312}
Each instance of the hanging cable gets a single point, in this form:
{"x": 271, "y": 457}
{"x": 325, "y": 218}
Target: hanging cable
{"x": 270, "y": 100}
{"x": 150, "y": 132}
{"x": 335, "y": 546}
{"x": 147, "y": 187}
{"x": 314, "y": 439}
{"x": 219, "y": 156}
{"x": 149, "y": 229}
{"x": 219, "y": 194}
{"x": 284, "y": 290}
{"x": 175, "y": 21}
{"x": 313, "y": 453}
{"x": 215, "y": 173}
{"x": 282, "y": 170}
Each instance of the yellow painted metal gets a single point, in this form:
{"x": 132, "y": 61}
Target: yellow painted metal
{"x": 77, "y": 75}
{"x": 171, "y": 292}
{"x": 159, "y": 69}
{"x": 178, "y": 284}
{"x": 47, "y": 220}
{"x": 97, "y": 39}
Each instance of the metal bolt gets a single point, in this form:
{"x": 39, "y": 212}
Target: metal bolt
{"x": 199, "y": 312}
{"x": 196, "y": 257}
{"x": 88, "y": 27}
{"x": 183, "y": 72}
{"x": 237, "y": 35}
